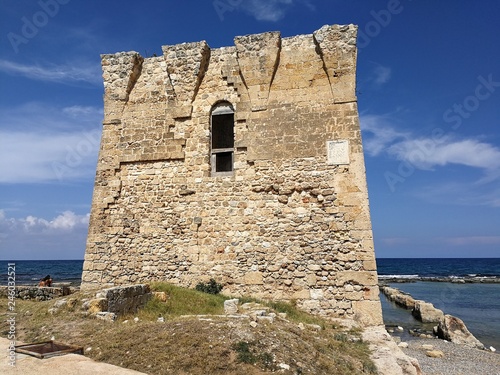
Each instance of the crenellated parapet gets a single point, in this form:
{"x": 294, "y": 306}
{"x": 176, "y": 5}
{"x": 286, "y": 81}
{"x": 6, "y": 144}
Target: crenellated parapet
{"x": 337, "y": 46}
{"x": 258, "y": 59}
{"x": 186, "y": 67}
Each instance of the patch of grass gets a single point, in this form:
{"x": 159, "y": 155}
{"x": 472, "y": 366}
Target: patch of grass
{"x": 242, "y": 348}
{"x": 182, "y": 301}
{"x": 294, "y": 314}
{"x": 247, "y": 352}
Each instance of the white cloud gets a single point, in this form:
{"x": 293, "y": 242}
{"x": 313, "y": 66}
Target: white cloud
{"x": 426, "y": 153}
{"x": 271, "y": 10}
{"x": 78, "y": 111}
{"x": 45, "y": 144}
{"x": 46, "y": 157}
{"x": 382, "y": 74}
{"x": 380, "y": 136}
{"x": 67, "y": 74}
{"x": 379, "y": 133}
{"x": 66, "y": 221}
{"x": 62, "y": 237}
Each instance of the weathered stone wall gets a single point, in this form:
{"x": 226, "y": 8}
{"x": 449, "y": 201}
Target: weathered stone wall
{"x": 36, "y": 293}
{"x": 292, "y": 222}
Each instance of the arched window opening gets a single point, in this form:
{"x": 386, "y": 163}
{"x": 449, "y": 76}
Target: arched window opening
{"x": 222, "y": 142}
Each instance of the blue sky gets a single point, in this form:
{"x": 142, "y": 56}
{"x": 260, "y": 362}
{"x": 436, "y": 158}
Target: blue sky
{"x": 428, "y": 92}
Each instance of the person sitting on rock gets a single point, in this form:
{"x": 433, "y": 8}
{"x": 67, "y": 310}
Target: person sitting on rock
{"x": 46, "y": 281}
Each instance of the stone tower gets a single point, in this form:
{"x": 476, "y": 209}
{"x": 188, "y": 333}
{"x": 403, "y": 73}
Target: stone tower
{"x": 242, "y": 164}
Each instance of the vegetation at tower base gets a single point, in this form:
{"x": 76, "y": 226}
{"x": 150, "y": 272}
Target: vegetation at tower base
{"x": 243, "y": 164}
{"x": 194, "y": 337}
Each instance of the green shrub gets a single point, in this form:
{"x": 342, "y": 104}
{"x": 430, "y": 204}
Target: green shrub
{"x": 212, "y": 287}
{"x": 244, "y": 353}
{"x": 247, "y": 354}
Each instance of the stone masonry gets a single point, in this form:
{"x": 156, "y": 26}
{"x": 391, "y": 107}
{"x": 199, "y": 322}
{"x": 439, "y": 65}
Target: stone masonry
{"x": 288, "y": 220}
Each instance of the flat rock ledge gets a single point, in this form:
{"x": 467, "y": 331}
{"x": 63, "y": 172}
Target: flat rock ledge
{"x": 448, "y": 327}
{"x": 387, "y": 356}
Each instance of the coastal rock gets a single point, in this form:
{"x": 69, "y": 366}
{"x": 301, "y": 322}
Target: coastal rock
{"x": 453, "y": 329}
{"x": 398, "y": 297}
{"x": 387, "y": 356}
{"x": 426, "y": 312}
{"x": 107, "y": 316}
{"x": 231, "y": 306}
{"x": 434, "y": 354}
{"x": 95, "y": 305}
{"x": 161, "y": 296}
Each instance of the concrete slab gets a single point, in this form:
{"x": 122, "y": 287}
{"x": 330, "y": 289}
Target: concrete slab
{"x": 70, "y": 364}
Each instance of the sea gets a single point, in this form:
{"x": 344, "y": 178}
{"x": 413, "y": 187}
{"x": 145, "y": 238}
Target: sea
{"x": 30, "y": 272}
{"x": 476, "y": 302}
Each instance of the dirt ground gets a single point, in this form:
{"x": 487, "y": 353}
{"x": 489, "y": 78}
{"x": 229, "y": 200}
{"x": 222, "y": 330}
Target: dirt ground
{"x": 196, "y": 344}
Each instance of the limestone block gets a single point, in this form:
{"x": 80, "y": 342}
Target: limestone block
{"x": 368, "y": 313}
{"x": 263, "y": 50}
{"x": 231, "y": 306}
{"x": 316, "y": 293}
{"x": 107, "y": 316}
{"x": 254, "y": 278}
{"x": 160, "y": 296}
{"x": 301, "y": 294}
{"x": 426, "y": 312}
{"x": 365, "y": 278}
{"x": 95, "y": 305}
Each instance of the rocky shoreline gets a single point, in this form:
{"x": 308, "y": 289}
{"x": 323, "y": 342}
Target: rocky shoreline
{"x": 447, "y": 327}
{"x": 473, "y": 279}
{"x": 440, "y": 357}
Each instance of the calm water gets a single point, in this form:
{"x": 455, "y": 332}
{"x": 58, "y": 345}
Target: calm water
{"x": 477, "y": 304}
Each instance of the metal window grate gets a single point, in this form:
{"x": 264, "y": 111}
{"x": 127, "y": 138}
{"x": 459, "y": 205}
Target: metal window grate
{"x": 48, "y": 349}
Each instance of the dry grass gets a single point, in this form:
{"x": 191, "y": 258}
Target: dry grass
{"x": 194, "y": 346}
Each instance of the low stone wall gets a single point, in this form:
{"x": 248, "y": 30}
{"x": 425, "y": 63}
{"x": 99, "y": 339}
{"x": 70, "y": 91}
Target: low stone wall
{"x": 37, "y": 293}
{"x": 120, "y": 300}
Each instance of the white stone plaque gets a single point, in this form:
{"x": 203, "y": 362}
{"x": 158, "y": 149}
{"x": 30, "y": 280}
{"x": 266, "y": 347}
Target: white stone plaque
{"x": 338, "y": 151}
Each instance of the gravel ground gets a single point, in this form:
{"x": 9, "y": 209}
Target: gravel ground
{"x": 458, "y": 359}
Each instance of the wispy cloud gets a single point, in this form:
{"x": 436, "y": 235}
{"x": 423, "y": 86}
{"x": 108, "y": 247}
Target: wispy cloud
{"x": 477, "y": 186}
{"x": 66, "y": 74}
{"x": 427, "y": 153}
{"x": 382, "y": 74}
{"x": 472, "y": 241}
{"x": 47, "y": 157}
{"x": 379, "y": 133}
{"x": 45, "y": 144}
{"x": 271, "y": 10}
{"x": 381, "y": 136}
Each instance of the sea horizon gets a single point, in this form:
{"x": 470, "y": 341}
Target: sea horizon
{"x": 476, "y": 303}
{"x": 16, "y": 260}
